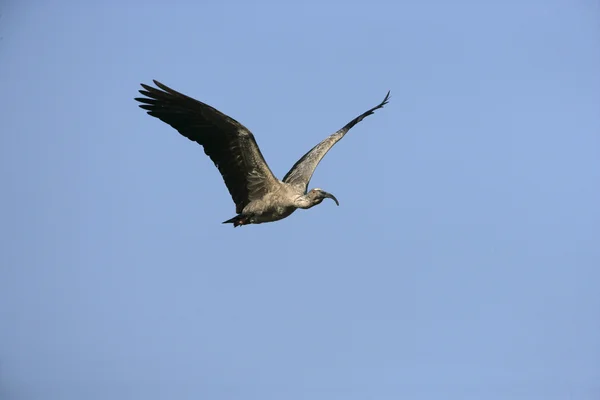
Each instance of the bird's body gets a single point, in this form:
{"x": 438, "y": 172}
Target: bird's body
{"x": 277, "y": 204}
{"x": 259, "y": 196}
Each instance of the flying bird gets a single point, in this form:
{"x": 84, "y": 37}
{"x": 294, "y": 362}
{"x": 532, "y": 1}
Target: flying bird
{"x": 258, "y": 195}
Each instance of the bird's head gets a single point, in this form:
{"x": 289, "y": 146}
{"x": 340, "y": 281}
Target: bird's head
{"x": 317, "y": 195}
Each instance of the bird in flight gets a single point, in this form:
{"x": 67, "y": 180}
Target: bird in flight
{"x": 258, "y": 195}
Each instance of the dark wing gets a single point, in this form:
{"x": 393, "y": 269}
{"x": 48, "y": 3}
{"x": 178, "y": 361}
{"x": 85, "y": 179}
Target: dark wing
{"x": 304, "y": 168}
{"x": 229, "y": 144}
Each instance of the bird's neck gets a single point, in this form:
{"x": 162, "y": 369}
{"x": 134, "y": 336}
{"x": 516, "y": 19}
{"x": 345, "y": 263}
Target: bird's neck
{"x": 304, "y": 202}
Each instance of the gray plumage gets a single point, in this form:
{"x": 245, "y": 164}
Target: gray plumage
{"x": 258, "y": 195}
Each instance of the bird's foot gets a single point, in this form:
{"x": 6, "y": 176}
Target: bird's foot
{"x": 241, "y": 221}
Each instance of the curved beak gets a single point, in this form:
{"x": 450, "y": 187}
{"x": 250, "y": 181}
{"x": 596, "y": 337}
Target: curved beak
{"x": 330, "y": 196}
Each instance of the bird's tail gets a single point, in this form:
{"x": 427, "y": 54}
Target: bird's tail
{"x": 238, "y": 220}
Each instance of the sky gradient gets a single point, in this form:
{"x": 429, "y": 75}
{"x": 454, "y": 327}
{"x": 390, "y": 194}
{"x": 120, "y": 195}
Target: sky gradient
{"x": 463, "y": 260}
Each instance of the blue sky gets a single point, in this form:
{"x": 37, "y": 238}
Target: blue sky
{"x": 462, "y": 263}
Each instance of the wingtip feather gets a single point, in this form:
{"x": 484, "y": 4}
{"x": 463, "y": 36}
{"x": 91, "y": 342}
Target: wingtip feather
{"x": 147, "y": 87}
{"x": 386, "y": 98}
{"x": 162, "y": 86}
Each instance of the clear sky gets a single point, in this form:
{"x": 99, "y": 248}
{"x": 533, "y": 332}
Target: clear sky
{"x": 462, "y": 263}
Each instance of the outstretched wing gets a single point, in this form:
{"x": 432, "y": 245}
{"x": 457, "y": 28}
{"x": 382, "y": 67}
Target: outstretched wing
{"x": 304, "y": 168}
{"x": 229, "y": 144}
